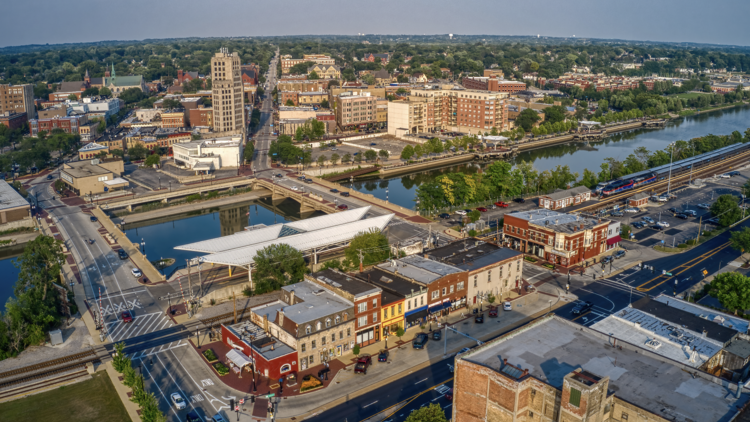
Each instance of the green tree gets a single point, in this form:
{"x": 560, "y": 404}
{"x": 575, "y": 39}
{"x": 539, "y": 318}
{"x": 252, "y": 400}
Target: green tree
{"x": 554, "y": 114}
{"x": 72, "y": 97}
{"x": 105, "y": 92}
{"x": 733, "y": 291}
{"x": 313, "y": 75}
{"x": 335, "y": 158}
{"x": 431, "y": 413}
{"x": 120, "y": 361}
{"x": 346, "y": 159}
{"x": 313, "y": 129}
{"x": 373, "y": 245}
{"x": 358, "y": 157}
{"x": 407, "y": 152}
{"x": 383, "y": 154}
{"x": 300, "y": 68}
{"x": 726, "y": 209}
{"x": 419, "y": 151}
{"x": 90, "y": 92}
{"x": 289, "y": 103}
{"x": 368, "y": 79}
{"x": 740, "y": 239}
{"x": 526, "y": 119}
{"x": 321, "y": 160}
{"x": 249, "y": 152}
{"x": 746, "y": 187}
{"x": 355, "y": 349}
{"x": 277, "y": 265}
{"x": 324, "y": 104}
{"x": 137, "y": 152}
{"x": 132, "y": 95}
{"x": 152, "y": 160}
{"x": 171, "y": 103}
{"x": 474, "y": 215}
{"x": 371, "y": 155}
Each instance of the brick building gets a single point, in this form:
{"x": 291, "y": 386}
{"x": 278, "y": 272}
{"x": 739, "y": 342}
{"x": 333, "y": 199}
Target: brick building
{"x": 255, "y": 349}
{"x": 565, "y": 198}
{"x": 382, "y": 58}
{"x": 287, "y": 62}
{"x": 18, "y": 99}
{"x": 175, "y": 118}
{"x": 201, "y": 117}
{"x": 562, "y": 239}
{"x": 355, "y": 110}
{"x": 68, "y": 124}
{"x": 13, "y": 120}
{"x": 316, "y": 85}
{"x": 493, "y": 84}
{"x": 406, "y": 299}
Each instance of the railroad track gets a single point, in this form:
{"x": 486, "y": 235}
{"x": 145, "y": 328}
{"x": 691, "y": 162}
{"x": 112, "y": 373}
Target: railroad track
{"x": 677, "y": 181}
{"x": 25, "y": 389}
{"x": 81, "y": 358}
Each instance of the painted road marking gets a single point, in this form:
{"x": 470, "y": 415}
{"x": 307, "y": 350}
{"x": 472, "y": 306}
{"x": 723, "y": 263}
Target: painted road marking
{"x": 196, "y": 398}
{"x": 420, "y": 381}
{"x": 206, "y": 382}
{"x": 368, "y": 405}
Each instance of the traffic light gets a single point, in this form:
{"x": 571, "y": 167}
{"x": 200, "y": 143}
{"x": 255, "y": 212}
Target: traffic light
{"x": 252, "y": 399}
{"x": 231, "y": 404}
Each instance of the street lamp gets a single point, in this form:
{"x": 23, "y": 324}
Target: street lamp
{"x": 159, "y": 182}
{"x": 143, "y": 246}
{"x": 671, "y": 155}
{"x": 386, "y": 194}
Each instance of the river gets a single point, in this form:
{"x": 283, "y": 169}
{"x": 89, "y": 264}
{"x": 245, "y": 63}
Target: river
{"x": 401, "y": 190}
{"x": 180, "y": 229}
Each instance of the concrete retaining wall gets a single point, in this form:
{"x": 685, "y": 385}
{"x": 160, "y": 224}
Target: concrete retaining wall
{"x": 367, "y": 197}
{"x": 440, "y": 162}
{"x": 26, "y": 222}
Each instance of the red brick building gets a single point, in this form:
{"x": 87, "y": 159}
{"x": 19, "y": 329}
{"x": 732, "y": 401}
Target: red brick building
{"x": 202, "y": 117}
{"x": 382, "y": 58}
{"x": 183, "y": 76}
{"x": 565, "y": 198}
{"x": 558, "y": 238}
{"x": 13, "y": 120}
{"x": 70, "y": 124}
{"x": 493, "y": 84}
{"x": 258, "y": 351}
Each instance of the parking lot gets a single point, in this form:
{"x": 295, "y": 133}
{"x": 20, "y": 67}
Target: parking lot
{"x": 493, "y": 213}
{"x": 393, "y": 146}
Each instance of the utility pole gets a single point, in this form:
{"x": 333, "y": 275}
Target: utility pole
{"x": 234, "y": 301}
{"x": 190, "y": 284}
{"x": 698, "y": 237}
{"x": 361, "y": 257}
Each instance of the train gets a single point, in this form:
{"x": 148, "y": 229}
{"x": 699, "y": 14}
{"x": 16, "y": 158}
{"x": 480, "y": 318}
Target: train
{"x": 655, "y": 174}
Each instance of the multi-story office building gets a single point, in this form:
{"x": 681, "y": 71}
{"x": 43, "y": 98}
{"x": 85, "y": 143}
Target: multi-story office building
{"x": 228, "y": 115}
{"x": 493, "y": 84}
{"x": 355, "y": 110}
{"x": 18, "y": 99}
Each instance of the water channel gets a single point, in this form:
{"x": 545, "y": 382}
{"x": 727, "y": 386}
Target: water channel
{"x": 10, "y": 273}
{"x": 162, "y": 236}
{"x": 401, "y": 190}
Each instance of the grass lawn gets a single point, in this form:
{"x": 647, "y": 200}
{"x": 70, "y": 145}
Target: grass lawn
{"x": 94, "y": 400}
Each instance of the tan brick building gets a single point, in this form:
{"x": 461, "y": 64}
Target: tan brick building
{"x": 325, "y": 71}
{"x": 93, "y": 176}
{"x": 355, "y": 110}
{"x": 13, "y": 206}
{"x": 288, "y": 62}
{"x": 18, "y": 99}
{"x": 227, "y": 91}
{"x": 176, "y": 118}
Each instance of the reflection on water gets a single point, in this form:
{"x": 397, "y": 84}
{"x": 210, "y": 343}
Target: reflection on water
{"x": 8, "y": 280}
{"x": 400, "y": 190}
{"x": 161, "y": 238}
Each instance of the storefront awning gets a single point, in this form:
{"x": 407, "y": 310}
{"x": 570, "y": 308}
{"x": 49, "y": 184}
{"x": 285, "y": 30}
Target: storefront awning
{"x": 416, "y": 316}
{"x": 440, "y": 306}
{"x": 613, "y": 240}
{"x": 238, "y": 358}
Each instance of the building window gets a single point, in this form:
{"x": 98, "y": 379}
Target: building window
{"x": 348, "y": 332}
{"x": 476, "y": 277}
{"x": 308, "y": 329}
{"x": 460, "y": 286}
{"x": 338, "y": 320}
{"x": 374, "y": 303}
{"x": 323, "y": 341}
{"x": 575, "y": 397}
{"x": 303, "y": 347}
{"x": 318, "y": 325}
{"x": 341, "y": 335}
{"x": 444, "y": 291}
{"x": 435, "y": 294}
{"x": 286, "y": 368}
{"x": 624, "y": 416}
{"x": 362, "y": 307}
{"x": 362, "y": 321}
{"x": 489, "y": 276}
{"x": 421, "y": 301}
{"x": 451, "y": 289}
{"x": 374, "y": 317}
{"x": 311, "y": 359}
{"x": 312, "y": 344}
{"x": 328, "y": 322}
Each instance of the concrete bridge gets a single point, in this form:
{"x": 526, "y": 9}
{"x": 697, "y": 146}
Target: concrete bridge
{"x": 165, "y": 196}
{"x": 308, "y": 202}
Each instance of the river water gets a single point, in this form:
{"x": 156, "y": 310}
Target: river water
{"x": 401, "y": 190}
{"x": 8, "y": 280}
{"x": 162, "y": 237}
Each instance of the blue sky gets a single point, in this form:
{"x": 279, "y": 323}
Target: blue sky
{"x": 63, "y": 21}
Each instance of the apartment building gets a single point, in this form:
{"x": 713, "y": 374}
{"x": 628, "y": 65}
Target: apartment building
{"x": 68, "y": 124}
{"x": 355, "y": 110}
{"x": 493, "y": 84}
{"x": 561, "y": 239}
{"x": 315, "y": 85}
{"x": 287, "y": 62}
{"x": 404, "y": 301}
{"x": 226, "y": 93}
{"x": 18, "y": 99}
{"x": 202, "y": 117}
{"x": 325, "y": 71}
{"x": 13, "y": 120}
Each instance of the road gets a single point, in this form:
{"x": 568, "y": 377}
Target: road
{"x": 264, "y": 134}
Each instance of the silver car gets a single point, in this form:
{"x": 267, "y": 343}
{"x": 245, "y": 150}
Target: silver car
{"x": 178, "y": 401}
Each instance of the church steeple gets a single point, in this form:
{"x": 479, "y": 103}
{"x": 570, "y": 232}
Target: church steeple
{"x": 86, "y": 77}
{"x": 113, "y": 70}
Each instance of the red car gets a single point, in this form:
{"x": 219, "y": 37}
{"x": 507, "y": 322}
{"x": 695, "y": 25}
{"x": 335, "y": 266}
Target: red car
{"x": 482, "y": 209}
{"x": 343, "y": 207}
{"x": 449, "y": 395}
{"x": 501, "y": 204}
{"x": 363, "y": 362}
{"x": 127, "y": 317}
{"x": 493, "y": 311}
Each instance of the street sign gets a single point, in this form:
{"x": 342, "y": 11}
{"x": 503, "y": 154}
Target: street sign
{"x": 242, "y": 401}
{"x": 236, "y": 408}
{"x": 705, "y": 272}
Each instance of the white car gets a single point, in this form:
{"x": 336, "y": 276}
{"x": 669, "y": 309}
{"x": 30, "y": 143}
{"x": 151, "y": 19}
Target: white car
{"x": 725, "y": 176}
{"x": 658, "y": 198}
{"x": 690, "y": 212}
{"x": 703, "y": 206}
{"x": 136, "y": 272}
{"x": 632, "y": 210}
{"x": 461, "y": 212}
{"x": 507, "y": 306}
{"x": 178, "y": 401}
{"x": 663, "y": 224}
{"x": 295, "y": 188}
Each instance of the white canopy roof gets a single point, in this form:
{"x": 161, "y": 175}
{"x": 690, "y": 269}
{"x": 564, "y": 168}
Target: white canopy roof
{"x": 495, "y": 138}
{"x": 589, "y": 123}
{"x": 116, "y": 181}
{"x": 265, "y": 234}
{"x": 302, "y": 242}
{"x": 238, "y": 358}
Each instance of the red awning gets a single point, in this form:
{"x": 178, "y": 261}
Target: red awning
{"x": 614, "y": 240}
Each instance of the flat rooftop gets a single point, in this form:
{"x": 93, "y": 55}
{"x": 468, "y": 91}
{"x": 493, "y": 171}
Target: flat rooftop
{"x": 317, "y": 302}
{"x": 686, "y": 320}
{"x": 390, "y": 282}
{"x": 471, "y": 254}
{"x": 721, "y": 318}
{"x": 10, "y": 198}
{"x": 551, "y": 348}
{"x": 557, "y": 221}
{"x": 262, "y": 343}
{"x": 419, "y": 269}
{"x": 345, "y": 282}
{"x": 84, "y": 169}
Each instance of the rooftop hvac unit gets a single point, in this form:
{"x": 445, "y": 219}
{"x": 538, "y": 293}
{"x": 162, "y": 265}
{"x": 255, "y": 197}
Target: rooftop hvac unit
{"x": 654, "y": 344}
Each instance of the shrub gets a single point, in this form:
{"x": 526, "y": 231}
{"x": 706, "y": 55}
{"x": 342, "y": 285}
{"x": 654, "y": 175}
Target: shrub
{"x": 212, "y": 194}
{"x": 530, "y": 259}
{"x": 193, "y": 197}
{"x": 550, "y": 266}
{"x": 682, "y": 246}
{"x": 309, "y": 383}
{"x": 221, "y": 369}
{"x": 690, "y": 242}
{"x": 355, "y": 350}
{"x": 210, "y": 355}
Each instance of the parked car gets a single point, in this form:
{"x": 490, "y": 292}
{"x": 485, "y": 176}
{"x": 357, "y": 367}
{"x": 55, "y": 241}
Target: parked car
{"x": 343, "y": 207}
{"x": 617, "y": 214}
{"x": 308, "y": 181}
{"x": 663, "y": 224}
{"x": 657, "y": 227}
{"x": 479, "y": 319}
{"x": 449, "y": 395}
{"x": 295, "y": 188}
{"x": 682, "y": 216}
{"x": 501, "y": 204}
{"x": 420, "y": 341}
{"x": 50, "y": 177}
{"x": 218, "y": 418}
{"x": 436, "y": 335}
{"x": 279, "y": 175}
{"x": 619, "y": 254}
{"x": 673, "y": 210}
{"x": 334, "y": 190}
{"x": 632, "y": 210}
{"x": 648, "y": 219}
{"x": 344, "y": 194}
{"x": 468, "y": 210}
{"x": 93, "y": 219}
{"x": 714, "y": 220}
{"x": 127, "y": 316}
{"x": 581, "y": 308}
{"x": 461, "y": 212}
{"x": 383, "y": 355}
{"x": 122, "y": 254}
{"x": 724, "y": 176}
{"x": 481, "y": 209}
{"x": 444, "y": 216}
{"x": 192, "y": 416}
{"x": 658, "y": 198}
{"x": 691, "y": 213}
{"x": 519, "y": 200}
{"x": 507, "y": 306}
{"x": 493, "y": 311}
{"x": 363, "y": 362}
{"x": 136, "y": 272}
{"x": 733, "y": 173}
{"x": 638, "y": 225}
{"x": 703, "y": 206}
{"x": 178, "y": 401}
{"x": 606, "y": 259}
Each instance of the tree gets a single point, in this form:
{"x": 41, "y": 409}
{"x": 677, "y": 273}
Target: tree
{"x": 132, "y": 95}
{"x": 740, "y": 240}
{"x": 407, "y": 152}
{"x": 324, "y": 103}
{"x": 72, "y": 97}
{"x": 355, "y": 349}
{"x": 313, "y": 129}
{"x": 289, "y": 103}
{"x": 383, "y": 154}
{"x": 313, "y": 75}
{"x": 249, "y": 152}
{"x": 153, "y": 160}
{"x": 373, "y": 245}
{"x": 334, "y": 158}
{"x": 277, "y": 265}
{"x": 431, "y": 413}
{"x": 371, "y": 155}
{"x": 726, "y": 209}
{"x": 368, "y": 79}
{"x": 321, "y": 160}
{"x": 746, "y": 186}
{"x": 419, "y": 151}
{"x": 733, "y": 291}
{"x": 346, "y": 159}
{"x": 105, "y": 92}
{"x": 171, "y": 103}
{"x": 137, "y": 152}
{"x": 554, "y": 114}
{"x": 526, "y": 119}
{"x": 90, "y": 92}
{"x": 358, "y": 157}
{"x": 300, "y": 68}
{"x": 474, "y": 215}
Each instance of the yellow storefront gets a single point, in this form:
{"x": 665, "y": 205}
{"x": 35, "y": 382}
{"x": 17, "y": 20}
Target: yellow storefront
{"x": 392, "y": 314}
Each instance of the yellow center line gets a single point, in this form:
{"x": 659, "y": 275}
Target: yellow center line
{"x": 688, "y": 265}
{"x": 410, "y": 400}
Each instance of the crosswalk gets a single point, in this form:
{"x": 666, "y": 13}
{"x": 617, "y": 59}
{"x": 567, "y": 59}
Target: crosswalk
{"x": 141, "y": 324}
{"x": 161, "y": 349}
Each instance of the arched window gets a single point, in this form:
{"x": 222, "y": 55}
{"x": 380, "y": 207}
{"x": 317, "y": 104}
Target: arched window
{"x": 328, "y": 322}
{"x": 346, "y": 316}
{"x": 338, "y": 320}
{"x": 285, "y": 368}
{"x": 308, "y": 329}
{"x": 317, "y": 325}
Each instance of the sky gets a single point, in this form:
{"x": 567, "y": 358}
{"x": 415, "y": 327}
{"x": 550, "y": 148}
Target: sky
{"x": 66, "y": 21}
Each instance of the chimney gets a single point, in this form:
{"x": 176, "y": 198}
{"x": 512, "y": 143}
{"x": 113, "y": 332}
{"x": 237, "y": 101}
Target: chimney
{"x": 739, "y": 389}
{"x": 505, "y": 361}
{"x": 281, "y": 317}
{"x": 525, "y": 372}
{"x": 265, "y": 323}
{"x": 291, "y": 299}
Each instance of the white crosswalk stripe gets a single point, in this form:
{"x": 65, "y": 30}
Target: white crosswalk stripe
{"x": 142, "y": 324}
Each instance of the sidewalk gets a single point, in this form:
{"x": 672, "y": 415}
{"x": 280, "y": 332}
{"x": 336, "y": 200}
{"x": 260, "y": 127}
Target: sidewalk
{"x": 123, "y": 392}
